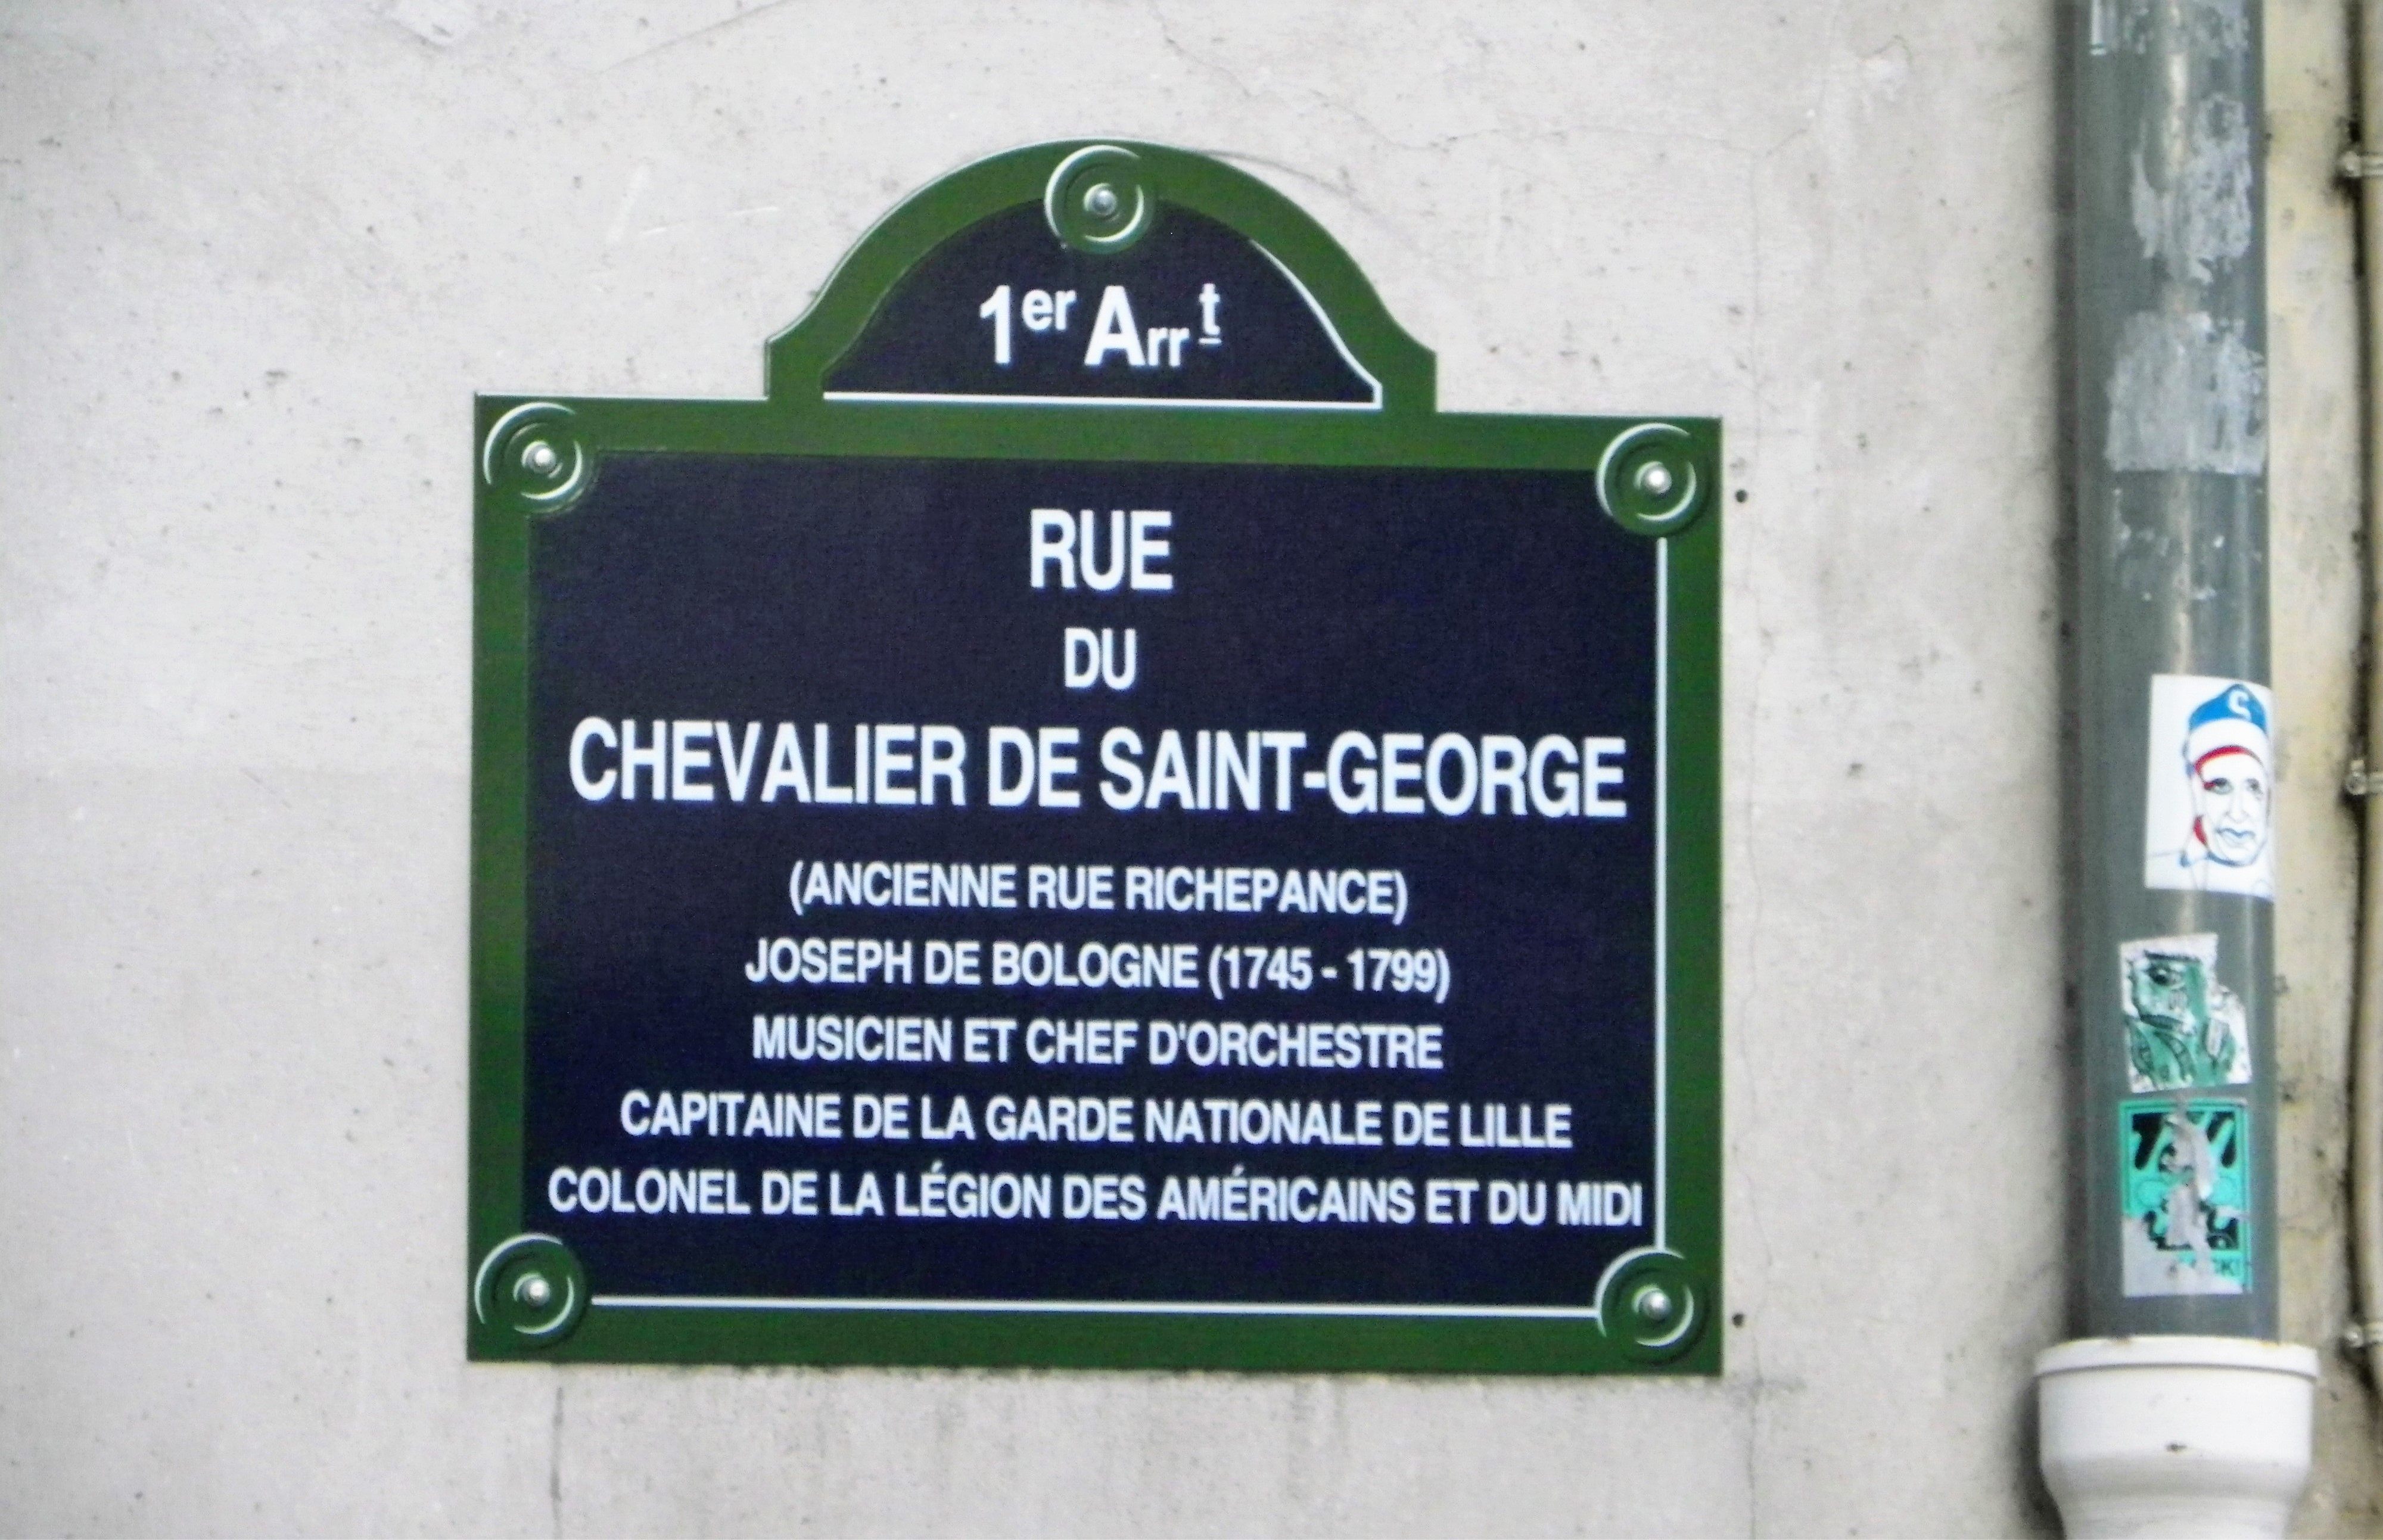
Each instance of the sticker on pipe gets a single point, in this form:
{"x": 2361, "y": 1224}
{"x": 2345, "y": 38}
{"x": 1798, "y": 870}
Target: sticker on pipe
{"x": 2184, "y": 1029}
{"x": 2208, "y": 794}
{"x": 2185, "y": 1171}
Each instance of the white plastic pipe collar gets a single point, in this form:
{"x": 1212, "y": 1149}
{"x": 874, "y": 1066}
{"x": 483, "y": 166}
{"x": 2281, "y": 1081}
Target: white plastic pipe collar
{"x": 2161, "y": 1436}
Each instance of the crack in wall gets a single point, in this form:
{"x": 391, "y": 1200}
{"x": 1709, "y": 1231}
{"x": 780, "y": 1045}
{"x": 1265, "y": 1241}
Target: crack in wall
{"x": 554, "y": 1464}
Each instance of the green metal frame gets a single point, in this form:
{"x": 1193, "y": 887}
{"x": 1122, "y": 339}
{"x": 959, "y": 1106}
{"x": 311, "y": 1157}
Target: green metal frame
{"x": 520, "y": 481}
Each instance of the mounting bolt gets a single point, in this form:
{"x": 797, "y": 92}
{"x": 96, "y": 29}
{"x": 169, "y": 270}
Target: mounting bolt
{"x": 1101, "y": 202}
{"x": 540, "y": 457}
{"x": 1655, "y": 478}
{"x": 534, "y": 1290}
{"x": 1653, "y": 1305}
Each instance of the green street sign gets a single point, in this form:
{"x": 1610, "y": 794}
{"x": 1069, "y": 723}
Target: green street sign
{"x": 1094, "y": 826}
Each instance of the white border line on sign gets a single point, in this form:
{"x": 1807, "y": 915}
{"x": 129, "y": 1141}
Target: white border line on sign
{"x": 1329, "y": 329}
{"x": 1663, "y": 892}
{"x": 1135, "y": 1306}
{"x": 1198, "y": 402}
{"x": 1082, "y": 1307}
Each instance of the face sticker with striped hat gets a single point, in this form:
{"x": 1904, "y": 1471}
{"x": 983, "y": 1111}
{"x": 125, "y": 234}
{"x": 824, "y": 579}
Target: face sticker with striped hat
{"x": 2208, "y": 802}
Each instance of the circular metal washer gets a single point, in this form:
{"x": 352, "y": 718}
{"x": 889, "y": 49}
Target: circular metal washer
{"x": 1650, "y": 480}
{"x": 531, "y": 1286}
{"x": 1654, "y": 1305}
{"x": 1097, "y": 201}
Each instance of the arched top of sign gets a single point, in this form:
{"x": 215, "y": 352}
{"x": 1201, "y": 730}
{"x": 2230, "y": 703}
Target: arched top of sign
{"x": 1102, "y": 275}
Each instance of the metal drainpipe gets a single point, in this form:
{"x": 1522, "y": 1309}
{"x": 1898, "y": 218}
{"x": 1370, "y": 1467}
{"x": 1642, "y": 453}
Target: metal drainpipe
{"x": 2175, "y": 1412}
{"x": 2366, "y": 777}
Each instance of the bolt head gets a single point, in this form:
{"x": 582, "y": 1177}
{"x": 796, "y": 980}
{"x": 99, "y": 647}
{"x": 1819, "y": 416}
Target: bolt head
{"x": 1655, "y": 478}
{"x": 534, "y": 1290}
{"x": 1101, "y": 202}
{"x": 1654, "y": 1306}
{"x": 541, "y": 457}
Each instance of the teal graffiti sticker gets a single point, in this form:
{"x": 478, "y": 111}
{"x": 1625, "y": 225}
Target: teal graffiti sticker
{"x": 2185, "y": 1174}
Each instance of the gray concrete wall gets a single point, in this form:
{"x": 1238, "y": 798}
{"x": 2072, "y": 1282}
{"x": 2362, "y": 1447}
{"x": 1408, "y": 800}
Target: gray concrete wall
{"x": 254, "y": 261}
{"x": 2316, "y": 557}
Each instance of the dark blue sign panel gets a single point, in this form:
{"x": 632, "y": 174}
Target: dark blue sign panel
{"x": 1094, "y": 826}
{"x": 974, "y": 881}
